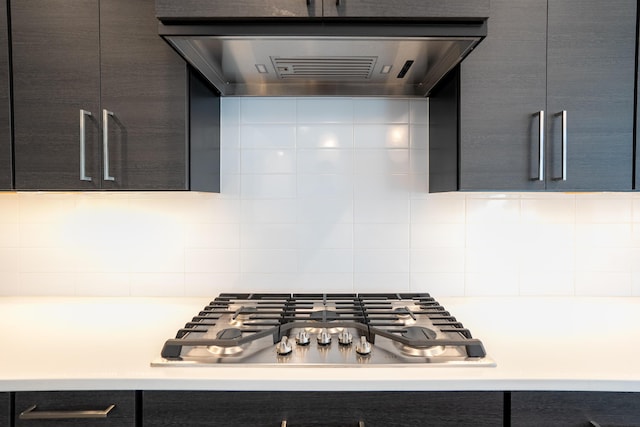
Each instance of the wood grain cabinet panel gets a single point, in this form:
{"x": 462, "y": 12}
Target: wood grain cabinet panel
{"x": 95, "y": 56}
{"x": 51, "y": 405}
{"x": 574, "y": 409}
{"x": 571, "y": 55}
{"x": 6, "y": 167}
{"x": 406, "y": 8}
{"x": 5, "y": 409}
{"x": 176, "y": 9}
{"x": 326, "y": 409}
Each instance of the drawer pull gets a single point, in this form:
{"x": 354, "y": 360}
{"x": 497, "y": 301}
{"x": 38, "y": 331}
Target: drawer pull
{"x": 83, "y": 144}
{"x": 31, "y": 414}
{"x": 105, "y": 143}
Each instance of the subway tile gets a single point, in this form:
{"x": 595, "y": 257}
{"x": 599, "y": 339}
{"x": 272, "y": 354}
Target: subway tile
{"x": 636, "y": 210}
{"x": 268, "y": 186}
{"x": 635, "y": 284}
{"x": 589, "y": 259}
{"x": 230, "y": 110}
{"x": 9, "y": 261}
{"x": 438, "y": 284}
{"x": 368, "y": 162}
{"x": 325, "y": 210}
{"x": 46, "y": 260}
{"x": 269, "y": 282}
{"x": 544, "y": 236}
{"x": 229, "y": 161}
{"x": 325, "y": 110}
{"x": 381, "y": 261}
{"x": 9, "y": 203}
{"x": 207, "y": 260}
{"x": 381, "y": 110}
{"x": 497, "y": 283}
{"x": 45, "y": 207}
{"x": 332, "y": 136}
{"x": 210, "y": 284}
{"x": 268, "y": 236}
{"x": 269, "y": 211}
{"x": 314, "y": 260}
{"x": 326, "y": 186}
{"x": 381, "y": 211}
{"x": 268, "y": 110}
{"x": 324, "y": 282}
{"x": 162, "y": 259}
{"x": 438, "y": 260}
{"x": 213, "y": 210}
{"x": 9, "y": 235}
{"x": 549, "y": 210}
{"x": 547, "y": 259}
{"x": 419, "y": 111}
{"x": 325, "y": 236}
{"x": 381, "y": 136}
{"x": 493, "y": 209}
{"x": 603, "y": 283}
{"x": 436, "y": 209}
{"x": 216, "y": 236}
{"x": 419, "y": 161}
{"x": 419, "y": 139}
{"x": 437, "y": 236}
{"x": 325, "y": 161}
{"x": 101, "y": 284}
{"x": 9, "y": 283}
{"x": 47, "y": 284}
{"x": 381, "y": 282}
{"x": 490, "y": 259}
{"x": 381, "y": 236}
{"x": 603, "y": 210}
{"x": 269, "y": 261}
{"x": 108, "y": 260}
{"x": 419, "y": 184}
{"x": 157, "y": 284}
{"x": 547, "y": 283}
{"x": 604, "y": 235}
{"x": 267, "y": 137}
{"x": 382, "y": 186}
{"x": 273, "y": 161}
{"x": 230, "y": 186}
{"x": 494, "y": 235}
{"x": 229, "y": 138}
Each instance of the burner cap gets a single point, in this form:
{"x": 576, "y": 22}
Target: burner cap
{"x": 324, "y": 315}
{"x": 229, "y": 334}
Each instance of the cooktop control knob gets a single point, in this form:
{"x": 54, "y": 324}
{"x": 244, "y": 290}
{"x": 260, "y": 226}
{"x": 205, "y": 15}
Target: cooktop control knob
{"x": 302, "y": 338}
{"x": 364, "y": 347}
{"x": 284, "y": 346}
{"x": 324, "y": 338}
{"x": 345, "y": 337}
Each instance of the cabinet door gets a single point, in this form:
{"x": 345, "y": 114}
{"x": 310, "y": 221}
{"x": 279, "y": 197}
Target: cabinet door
{"x": 574, "y": 409}
{"x": 502, "y": 88}
{"x": 406, "y": 8}
{"x": 176, "y": 9}
{"x": 144, "y": 85}
{"x": 591, "y": 73}
{"x": 56, "y": 73}
{"x": 70, "y": 408}
{"x": 5, "y": 409}
{"x": 322, "y": 409}
{"x": 6, "y": 169}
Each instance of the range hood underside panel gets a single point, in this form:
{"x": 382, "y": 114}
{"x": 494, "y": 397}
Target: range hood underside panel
{"x": 402, "y": 65}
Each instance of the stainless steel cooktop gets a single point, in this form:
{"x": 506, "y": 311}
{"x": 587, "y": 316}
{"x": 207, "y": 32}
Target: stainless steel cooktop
{"x": 324, "y": 330}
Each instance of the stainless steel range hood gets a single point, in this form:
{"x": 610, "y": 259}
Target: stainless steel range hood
{"x": 329, "y": 58}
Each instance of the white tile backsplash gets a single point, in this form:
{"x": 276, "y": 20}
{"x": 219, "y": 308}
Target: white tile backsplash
{"x": 320, "y": 195}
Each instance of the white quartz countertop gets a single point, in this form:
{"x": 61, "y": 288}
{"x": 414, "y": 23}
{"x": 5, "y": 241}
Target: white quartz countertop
{"x": 108, "y": 343}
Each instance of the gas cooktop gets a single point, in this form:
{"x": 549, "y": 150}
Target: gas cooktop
{"x": 273, "y": 329}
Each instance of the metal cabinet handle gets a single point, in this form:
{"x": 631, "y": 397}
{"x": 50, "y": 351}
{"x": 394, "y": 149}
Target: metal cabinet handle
{"x": 105, "y": 144}
{"x": 541, "y": 145}
{"x": 563, "y": 177}
{"x": 31, "y": 414}
{"x": 338, "y": 3}
{"x": 594, "y": 424}
{"x": 83, "y": 142}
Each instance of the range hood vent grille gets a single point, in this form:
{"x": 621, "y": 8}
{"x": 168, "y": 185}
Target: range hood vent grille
{"x": 325, "y": 67}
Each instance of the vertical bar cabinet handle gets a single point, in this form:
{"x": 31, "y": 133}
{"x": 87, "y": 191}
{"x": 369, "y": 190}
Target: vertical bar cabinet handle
{"x": 105, "y": 143}
{"x": 338, "y": 3}
{"x": 83, "y": 143}
{"x": 541, "y": 145}
{"x": 31, "y": 414}
{"x": 563, "y": 177}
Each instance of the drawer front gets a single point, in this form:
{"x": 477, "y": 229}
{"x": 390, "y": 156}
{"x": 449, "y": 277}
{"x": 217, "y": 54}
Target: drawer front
{"x": 569, "y": 409}
{"x": 75, "y": 408}
{"x": 322, "y": 409}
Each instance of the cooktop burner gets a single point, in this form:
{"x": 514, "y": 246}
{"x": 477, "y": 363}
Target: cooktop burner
{"x": 323, "y": 330}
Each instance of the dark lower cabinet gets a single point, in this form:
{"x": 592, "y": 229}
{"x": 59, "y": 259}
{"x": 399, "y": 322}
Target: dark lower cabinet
{"x": 574, "y": 409}
{"x": 326, "y": 409}
{"x": 5, "y": 409}
{"x": 75, "y": 408}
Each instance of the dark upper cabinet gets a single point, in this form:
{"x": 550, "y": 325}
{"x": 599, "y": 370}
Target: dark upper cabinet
{"x": 185, "y": 9}
{"x": 6, "y": 167}
{"x": 637, "y": 175}
{"x": 103, "y": 58}
{"x": 537, "y": 62}
{"x": 574, "y": 409}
